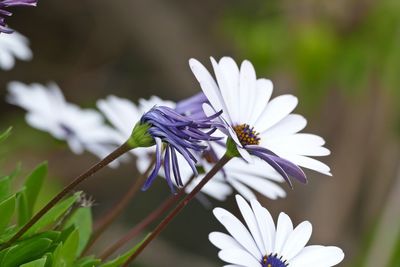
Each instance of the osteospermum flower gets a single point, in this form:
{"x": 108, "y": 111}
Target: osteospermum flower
{"x": 260, "y": 127}
{"x": 260, "y": 243}
{"x": 174, "y": 133}
{"x": 243, "y": 176}
{"x": 13, "y": 46}
{"x": 4, "y": 13}
{"x": 123, "y": 113}
{"x": 82, "y": 129}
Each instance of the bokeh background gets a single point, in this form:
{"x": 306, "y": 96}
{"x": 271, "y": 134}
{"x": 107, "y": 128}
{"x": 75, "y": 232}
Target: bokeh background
{"x": 341, "y": 58}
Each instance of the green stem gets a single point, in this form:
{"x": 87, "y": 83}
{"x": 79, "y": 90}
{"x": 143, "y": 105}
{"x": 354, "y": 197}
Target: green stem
{"x": 155, "y": 214}
{"x": 113, "y": 213}
{"x": 182, "y": 204}
{"x": 95, "y": 168}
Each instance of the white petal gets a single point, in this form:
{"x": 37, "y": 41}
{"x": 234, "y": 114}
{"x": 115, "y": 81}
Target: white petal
{"x": 237, "y": 231}
{"x": 276, "y": 110}
{"x": 247, "y": 93}
{"x": 261, "y": 185}
{"x": 309, "y": 163}
{"x": 227, "y": 74}
{"x": 297, "y": 240}
{"x": 283, "y": 230}
{"x": 264, "y": 89}
{"x": 257, "y": 168}
{"x": 209, "y": 87}
{"x": 7, "y": 61}
{"x": 299, "y": 144}
{"x": 266, "y": 225}
{"x": 239, "y": 256}
{"x": 318, "y": 256}
{"x": 223, "y": 241}
{"x": 242, "y": 189}
{"x": 291, "y": 124}
{"x": 251, "y": 222}
{"x": 245, "y": 155}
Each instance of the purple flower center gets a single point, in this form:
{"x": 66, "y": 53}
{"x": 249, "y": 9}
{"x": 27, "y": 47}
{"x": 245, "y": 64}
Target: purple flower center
{"x": 247, "y": 135}
{"x": 272, "y": 260}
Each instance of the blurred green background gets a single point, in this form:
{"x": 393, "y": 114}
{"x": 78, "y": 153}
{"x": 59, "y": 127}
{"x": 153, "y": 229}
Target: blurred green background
{"x": 341, "y": 58}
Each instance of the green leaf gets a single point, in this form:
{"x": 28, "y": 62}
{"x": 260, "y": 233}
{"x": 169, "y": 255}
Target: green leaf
{"x": 69, "y": 249}
{"x": 89, "y": 261}
{"x": 5, "y": 187}
{"x": 25, "y": 252}
{"x": 54, "y": 214}
{"x": 6, "y": 210}
{"x": 5, "y": 134}
{"x": 22, "y": 207}
{"x": 124, "y": 257}
{"x": 81, "y": 219}
{"x": 33, "y": 184}
{"x": 36, "y": 263}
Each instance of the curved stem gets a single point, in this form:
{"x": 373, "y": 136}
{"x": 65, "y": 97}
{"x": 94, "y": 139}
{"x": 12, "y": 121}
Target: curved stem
{"x": 115, "y": 211}
{"x": 95, "y": 168}
{"x": 182, "y": 204}
{"x": 160, "y": 210}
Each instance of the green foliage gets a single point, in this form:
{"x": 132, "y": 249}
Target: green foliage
{"x": 122, "y": 258}
{"x": 81, "y": 219}
{"x": 319, "y": 53}
{"x": 5, "y": 134}
{"x": 56, "y": 240}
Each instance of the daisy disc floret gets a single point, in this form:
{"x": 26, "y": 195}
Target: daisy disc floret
{"x": 259, "y": 242}
{"x": 259, "y": 127}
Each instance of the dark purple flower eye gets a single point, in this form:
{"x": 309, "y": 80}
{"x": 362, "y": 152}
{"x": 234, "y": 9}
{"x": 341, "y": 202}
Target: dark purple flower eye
{"x": 5, "y": 13}
{"x": 174, "y": 133}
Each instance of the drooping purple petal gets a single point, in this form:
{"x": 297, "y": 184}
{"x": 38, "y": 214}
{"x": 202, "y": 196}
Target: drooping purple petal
{"x": 192, "y": 106}
{"x": 167, "y": 169}
{"x": 267, "y": 158}
{"x": 175, "y": 167}
{"x": 157, "y": 166}
{"x": 291, "y": 169}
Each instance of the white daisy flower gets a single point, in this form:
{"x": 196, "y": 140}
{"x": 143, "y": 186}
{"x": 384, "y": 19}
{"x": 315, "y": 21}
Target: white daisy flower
{"x": 260, "y": 127}
{"x": 13, "y": 46}
{"x": 123, "y": 115}
{"x": 82, "y": 129}
{"x": 260, "y": 244}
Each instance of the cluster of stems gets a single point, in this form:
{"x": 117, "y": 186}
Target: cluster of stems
{"x": 179, "y": 199}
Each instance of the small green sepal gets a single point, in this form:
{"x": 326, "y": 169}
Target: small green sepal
{"x": 140, "y": 136}
{"x": 231, "y": 149}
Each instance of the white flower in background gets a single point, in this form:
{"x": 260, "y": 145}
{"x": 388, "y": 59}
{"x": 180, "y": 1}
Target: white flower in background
{"x": 82, "y": 129}
{"x": 247, "y": 177}
{"x": 260, "y": 127}
{"x": 261, "y": 244}
{"x": 123, "y": 115}
{"x": 13, "y": 46}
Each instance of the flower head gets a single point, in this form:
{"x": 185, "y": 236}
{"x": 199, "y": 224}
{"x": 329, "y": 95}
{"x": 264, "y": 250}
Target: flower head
{"x": 4, "y": 13}
{"x": 82, "y": 129}
{"x": 259, "y": 127}
{"x": 123, "y": 113}
{"x": 13, "y": 46}
{"x": 264, "y": 245}
{"x": 174, "y": 133}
